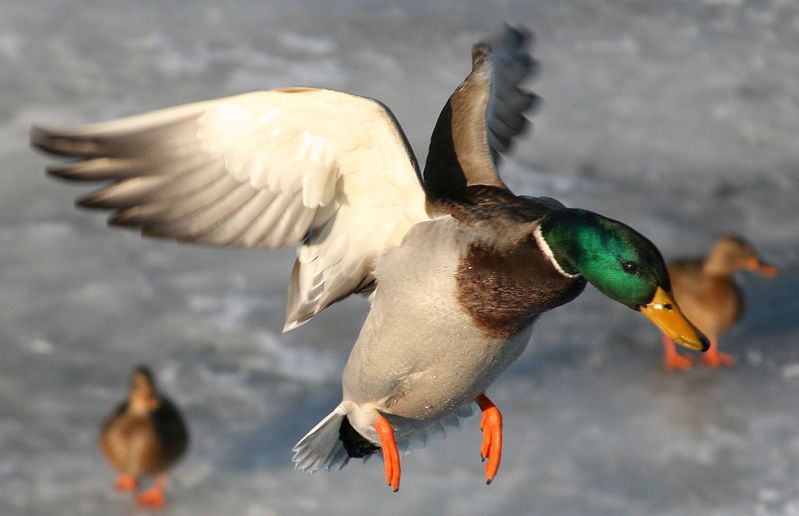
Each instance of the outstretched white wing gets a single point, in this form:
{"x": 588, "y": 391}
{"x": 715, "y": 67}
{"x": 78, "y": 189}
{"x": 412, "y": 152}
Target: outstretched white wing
{"x": 324, "y": 169}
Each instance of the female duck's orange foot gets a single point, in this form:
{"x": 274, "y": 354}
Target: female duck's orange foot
{"x": 491, "y": 425}
{"x": 153, "y": 498}
{"x": 390, "y": 454}
{"x": 715, "y": 358}
{"x": 718, "y": 359}
{"x": 677, "y": 362}
{"x": 673, "y": 360}
{"x": 125, "y": 482}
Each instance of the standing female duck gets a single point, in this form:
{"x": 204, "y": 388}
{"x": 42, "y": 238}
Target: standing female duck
{"x": 708, "y": 295}
{"x": 458, "y": 266}
{"x": 144, "y": 436}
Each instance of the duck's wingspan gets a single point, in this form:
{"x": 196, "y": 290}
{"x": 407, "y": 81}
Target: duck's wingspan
{"x": 324, "y": 169}
{"x": 481, "y": 118}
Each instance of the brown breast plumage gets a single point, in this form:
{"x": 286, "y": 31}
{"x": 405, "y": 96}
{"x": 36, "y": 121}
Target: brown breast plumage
{"x": 505, "y": 289}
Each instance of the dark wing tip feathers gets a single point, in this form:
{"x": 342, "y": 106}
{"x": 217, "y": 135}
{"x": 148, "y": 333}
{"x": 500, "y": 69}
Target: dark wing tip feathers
{"x": 94, "y": 201}
{"x": 509, "y": 51}
{"x": 40, "y": 138}
{"x": 512, "y": 39}
{"x": 60, "y": 170}
{"x": 515, "y": 36}
{"x": 61, "y": 143}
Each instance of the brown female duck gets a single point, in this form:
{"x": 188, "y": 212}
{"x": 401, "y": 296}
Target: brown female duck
{"x": 144, "y": 436}
{"x": 707, "y": 294}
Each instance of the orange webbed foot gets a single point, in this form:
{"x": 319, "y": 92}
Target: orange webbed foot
{"x": 715, "y": 358}
{"x": 391, "y": 461}
{"x": 491, "y": 446}
{"x": 672, "y": 360}
{"x": 125, "y": 482}
{"x": 153, "y": 497}
{"x": 677, "y": 362}
{"x": 718, "y": 359}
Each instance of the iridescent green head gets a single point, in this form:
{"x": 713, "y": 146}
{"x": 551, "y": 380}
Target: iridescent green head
{"x": 617, "y": 260}
{"x": 621, "y": 263}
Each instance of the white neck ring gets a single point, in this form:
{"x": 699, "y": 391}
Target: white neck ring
{"x": 544, "y": 246}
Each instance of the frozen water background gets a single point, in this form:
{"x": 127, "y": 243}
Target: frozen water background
{"x": 680, "y": 118}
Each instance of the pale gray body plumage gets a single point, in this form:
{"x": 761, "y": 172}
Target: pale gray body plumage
{"x": 422, "y": 372}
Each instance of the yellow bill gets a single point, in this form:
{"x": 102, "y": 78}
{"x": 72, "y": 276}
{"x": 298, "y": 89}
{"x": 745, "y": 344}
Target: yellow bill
{"x": 664, "y": 312}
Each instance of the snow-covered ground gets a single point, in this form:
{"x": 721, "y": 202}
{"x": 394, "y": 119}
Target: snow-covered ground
{"x": 680, "y": 118}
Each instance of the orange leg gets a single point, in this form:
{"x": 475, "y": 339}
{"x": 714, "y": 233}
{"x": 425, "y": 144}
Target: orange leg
{"x": 390, "y": 454}
{"x": 715, "y": 358}
{"x": 491, "y": 425}
{"x": 673, "y": 360}
{"x": 153, "y": 497}
{"x": 125, "y": 482}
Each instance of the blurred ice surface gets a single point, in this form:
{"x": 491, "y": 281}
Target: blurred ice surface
{"x": 680, "y": 118}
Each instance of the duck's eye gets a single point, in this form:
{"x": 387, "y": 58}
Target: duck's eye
{"x": 630, "y": 267}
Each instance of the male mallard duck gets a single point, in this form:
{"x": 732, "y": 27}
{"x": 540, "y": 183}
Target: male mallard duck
{"x": 144, "y": 436}
{"x": 458, "y": 266}
{"x": 708, "y": 295}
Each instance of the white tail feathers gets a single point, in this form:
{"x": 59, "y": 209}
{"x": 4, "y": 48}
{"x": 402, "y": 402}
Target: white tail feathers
{"x": 322, "y": 447}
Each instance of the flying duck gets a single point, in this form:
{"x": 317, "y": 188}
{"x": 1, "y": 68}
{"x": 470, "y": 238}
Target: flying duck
{"x": 457, "y": 266}
{"x": 144, "y": 436}
{"x": 708, "y": 295}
